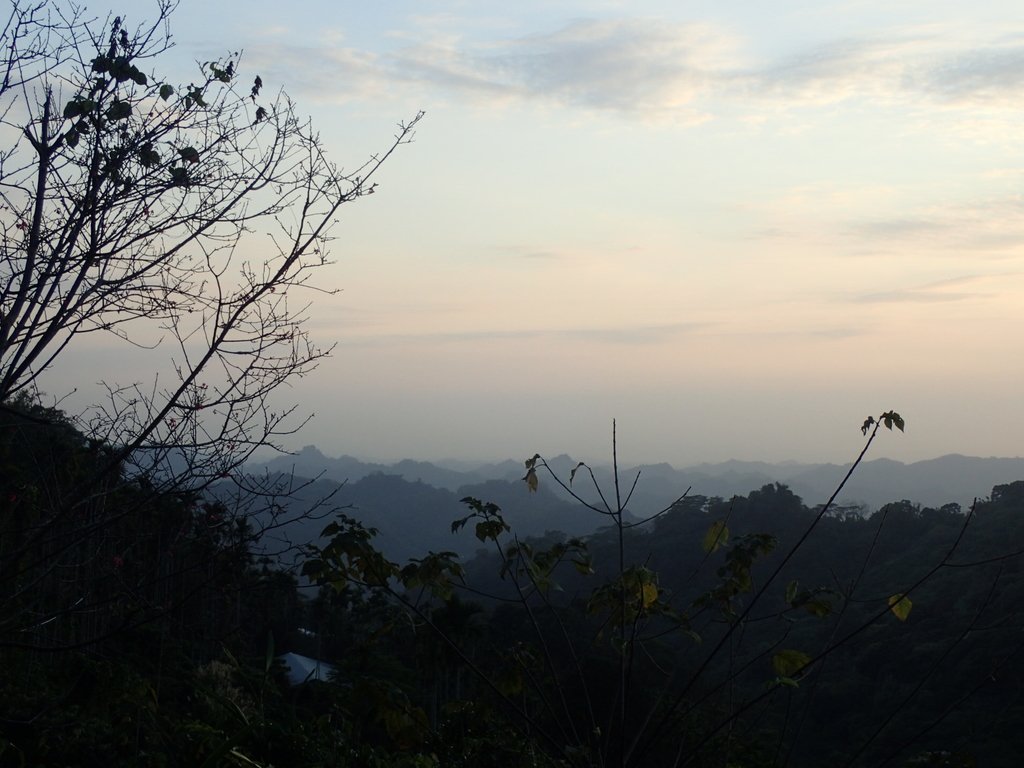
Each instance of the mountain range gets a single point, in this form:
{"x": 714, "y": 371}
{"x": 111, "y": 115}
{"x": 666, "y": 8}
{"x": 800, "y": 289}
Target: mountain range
{"x": 412, "y": 503}
{"x": 933, "y": 482}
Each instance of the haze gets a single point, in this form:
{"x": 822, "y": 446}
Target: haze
{"x": 737, "y": 229}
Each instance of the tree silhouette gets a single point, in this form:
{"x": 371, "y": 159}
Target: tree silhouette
{"x": 128, "y": 208}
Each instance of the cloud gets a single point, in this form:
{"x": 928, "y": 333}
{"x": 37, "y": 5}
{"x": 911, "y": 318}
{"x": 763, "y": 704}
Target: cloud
{"x": 835, "y": 333}
{"x": 452, "y": 70}
{"x": 979, "y": 76}
{"x": 329, "y": 73}
{"x": 902, "y": 227}
{"x": 903, "y": 67}
{"x": 934, "y": 292}
{"x": 654, "y": 68}
{"x": 951, "y": 282}
{"x": 622, "y": 64}
{"x": 629, "y": 335}
{"x": 625, "y": 65}
{"x": 830, "y": 72}
{"x": 771, "y": 233}
{"x": 530, "y": 253}
{"x": 804, "y": 333}
{"x": 992, "y": 224}
{"x": 642, "y": 334}
{"x": 920, "y": 296}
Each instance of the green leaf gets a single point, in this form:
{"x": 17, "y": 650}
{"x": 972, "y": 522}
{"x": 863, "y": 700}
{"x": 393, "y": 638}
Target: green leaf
{"x": 72, "y": 138}
{"x": 648, "y": 595}
{"x": 791, "y": 591}
{"x": 148, "y": 156}
{"x": 889, "y": 418}
{"x": 531, "y": 479}
{"x": 189, "y": 154}
{"x": 583, "y": 565}
{"x": 313, "y": 568}
{"x": 119, "y": 110}
{"x": 223, "y": 74}
{"x": 179, "y": 177}
{"x": 818, "y": 607}
{"x": 717, "y": 535}
{"x": 79, "y": 107}
{"x": 166, "y": 91}
{"x": 490, "y": 529}
{"x": 789, "y": 662}
{"x": 195, "y": 95}
{"x": 900, "y": 606}
{"x": 120, "y": 68}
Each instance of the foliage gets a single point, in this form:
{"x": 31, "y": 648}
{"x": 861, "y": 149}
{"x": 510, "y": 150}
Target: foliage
{"x": 628, "y": 670}
{"x": 752, "y": 654}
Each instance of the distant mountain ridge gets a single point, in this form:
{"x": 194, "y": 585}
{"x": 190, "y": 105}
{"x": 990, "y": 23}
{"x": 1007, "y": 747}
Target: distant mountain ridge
{"x": 413, "y": 517}
{"x": 311, "y": 463}
{"x": 932, "y": 482}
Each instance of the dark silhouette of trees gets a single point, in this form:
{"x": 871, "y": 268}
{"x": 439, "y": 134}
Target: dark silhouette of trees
{"x": 749, "y": 631}
{"x": 185, "y": 222}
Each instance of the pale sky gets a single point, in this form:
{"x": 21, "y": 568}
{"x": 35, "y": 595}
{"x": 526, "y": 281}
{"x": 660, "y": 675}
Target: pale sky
{"x": 738, "y": 228}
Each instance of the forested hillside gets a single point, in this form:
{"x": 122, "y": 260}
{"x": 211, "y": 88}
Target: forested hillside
{"x": 933, "y": 482}
{"x": 757, "y": 631}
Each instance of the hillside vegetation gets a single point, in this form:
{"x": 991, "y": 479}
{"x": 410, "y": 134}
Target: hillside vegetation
{"x": 144, "y": 631}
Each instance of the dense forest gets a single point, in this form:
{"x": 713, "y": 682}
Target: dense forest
{"x": 140, "y": 629}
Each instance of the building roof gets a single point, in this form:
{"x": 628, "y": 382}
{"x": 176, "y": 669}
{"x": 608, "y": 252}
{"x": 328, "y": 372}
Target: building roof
{"x": 302, "y": 669}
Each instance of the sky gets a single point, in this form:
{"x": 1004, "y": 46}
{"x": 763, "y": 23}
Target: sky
{"x": 738, "y": 229}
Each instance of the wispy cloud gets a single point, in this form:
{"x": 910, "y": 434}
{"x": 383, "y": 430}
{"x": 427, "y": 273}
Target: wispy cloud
{"x": 624, "y": 65}
{"x": 830, "y": 72}
{"x": 989, "y": 75}
{"x": 528, "y": 252}
{"x": 329, "y": 73}
{"x": 806, "y": 332}
{"x": 641, "y": 334}
{"x": 626, "y": 335}
{"x": 919, "y": 296}
{"x": 835, "y": 333}
{"x": 652, "y": 67}
{"x": 935, "y": 292}
{"x": 954, "y": 282}
{"x": 994, "y": 225}
{"x": 908, "y": 227}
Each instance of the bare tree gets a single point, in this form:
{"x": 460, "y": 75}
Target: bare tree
{"x": 183, "y": 220}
